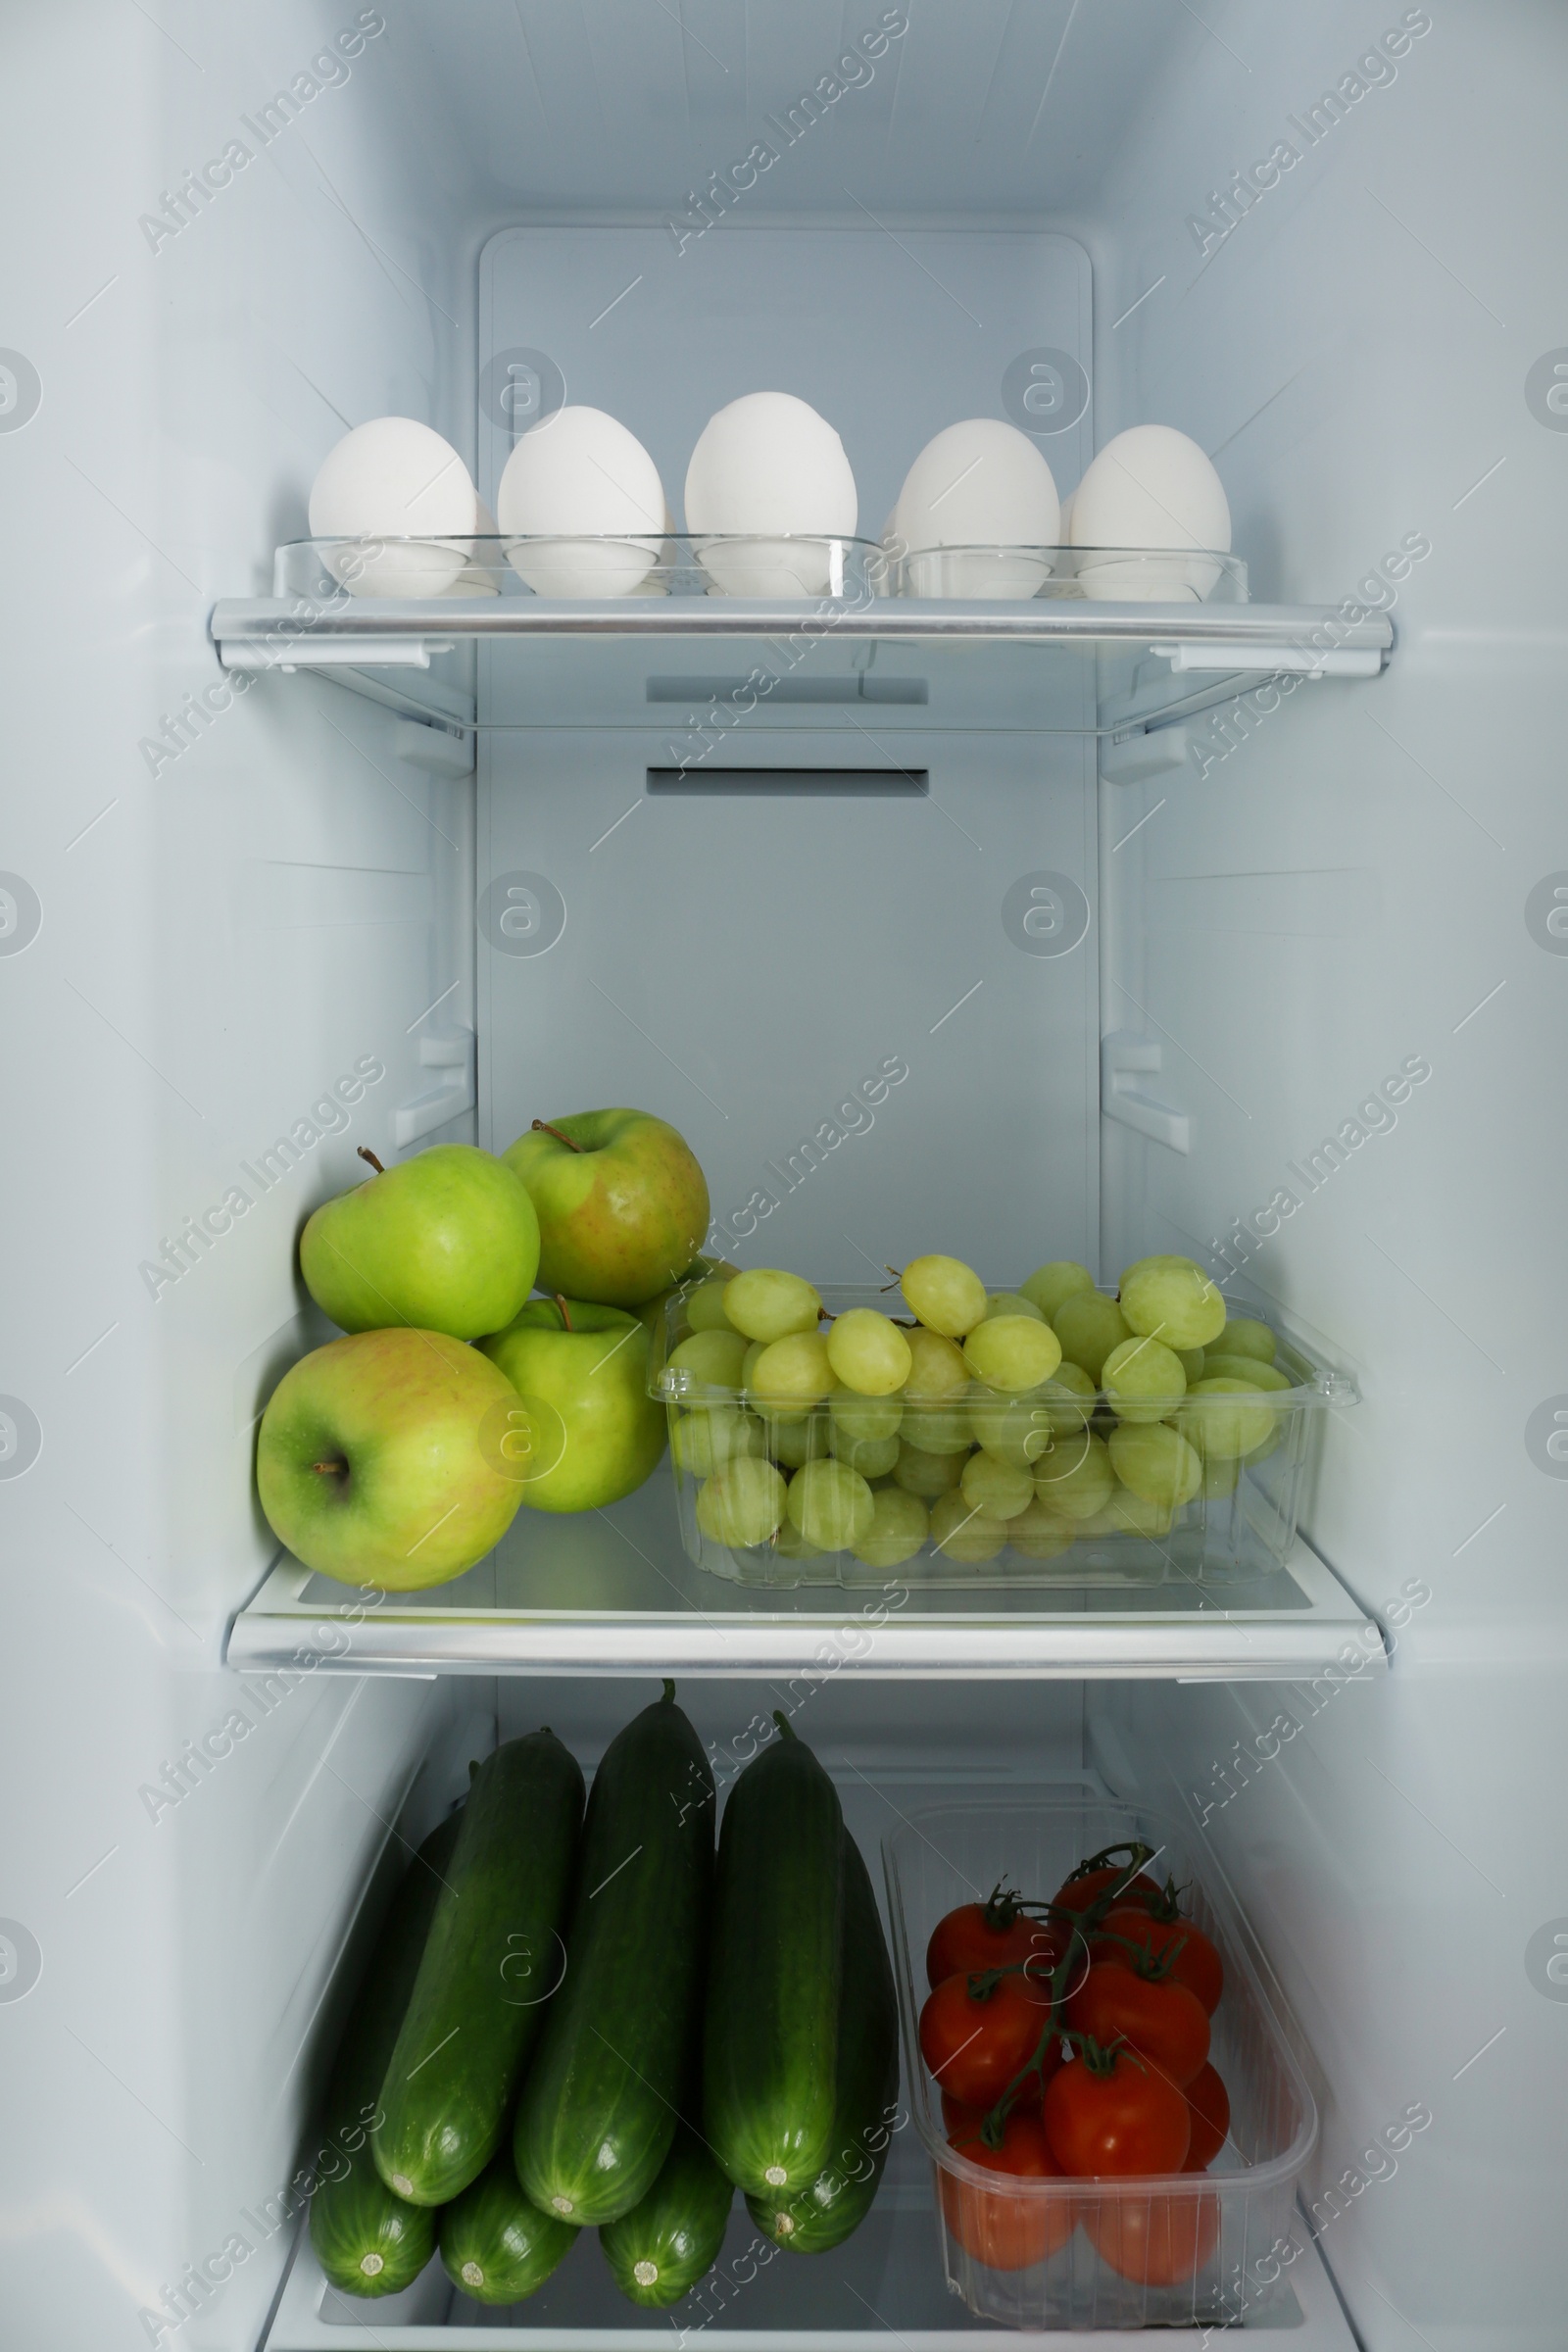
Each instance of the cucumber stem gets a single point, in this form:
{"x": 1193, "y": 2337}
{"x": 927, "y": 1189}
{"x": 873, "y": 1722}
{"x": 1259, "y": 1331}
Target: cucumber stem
{"x": 783, "y": 1723}
{"x": 669, "y": 1691}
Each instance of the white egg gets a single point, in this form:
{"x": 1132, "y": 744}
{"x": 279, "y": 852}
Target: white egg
{"x": 769, "y": 469}
{"x": 1152, "y": 487}
{"x": 983, "y": 488}
{"x": 388, "y": 481}
{"x": 575, "y": 478}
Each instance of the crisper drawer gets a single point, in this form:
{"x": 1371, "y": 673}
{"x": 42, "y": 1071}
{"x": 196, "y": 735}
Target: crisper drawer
{"x": 888, "y": 2285}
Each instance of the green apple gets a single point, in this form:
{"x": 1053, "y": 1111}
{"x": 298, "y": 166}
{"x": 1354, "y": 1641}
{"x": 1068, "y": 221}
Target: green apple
{"x": 446, "y": 1242}
{"x": 621, "y": 1201}
{"x": 581, "y": 1370}
{"x": 383, "y": 1459}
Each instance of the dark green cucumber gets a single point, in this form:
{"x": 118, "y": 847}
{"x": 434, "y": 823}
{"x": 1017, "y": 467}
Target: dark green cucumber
{"x": 493, "y": 1957}
{"x": 823, "y": 2213}
{"x": 658, "y": 2252}
{"x": 367, "y": 2239}
{"x": 598, "y": 2108}
{"x": 770, "y": 2050}
{"x": 496, "y": 2246}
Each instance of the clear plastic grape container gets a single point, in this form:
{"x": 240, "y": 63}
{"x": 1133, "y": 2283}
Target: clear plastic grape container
{"x": 1179, "y": 2250}
{"x": 1066, "y": 1485}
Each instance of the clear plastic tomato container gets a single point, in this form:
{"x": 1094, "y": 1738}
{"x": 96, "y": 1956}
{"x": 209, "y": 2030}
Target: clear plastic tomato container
{"x": 1239, "y": 1524}
{"x": 1183, "y": 2251}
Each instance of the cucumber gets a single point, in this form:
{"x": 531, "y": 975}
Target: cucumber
{"x": 496, "y": 2246}
{"x": 823, "y": 2213}
{"x": 771, "y": 2042}
{"x": 368, "y": 2240}
{"x": 598, "y": 2109}
{"x": 658, "y": 2252}
{"x": 493, "y": 1957}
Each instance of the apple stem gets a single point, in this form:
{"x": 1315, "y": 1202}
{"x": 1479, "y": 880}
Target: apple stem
{"x": 542, "y": 1127}
{"x": 331, "y": 1467}
{"x": 565, "y": 1317}
{"x": 366, "y": 1154}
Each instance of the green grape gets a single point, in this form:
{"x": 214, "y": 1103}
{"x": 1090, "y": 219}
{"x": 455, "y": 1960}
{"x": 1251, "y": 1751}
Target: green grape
{"x": 995, "y": 1488}
{"x": 873, "y": 1457}
{"x": 704, "y": 1441}
{"x": 767, "y": 1304}
{"x": 1075, "y": 1478}
{"x": 741, "y": 1504}
{"x": 1014, "y": 1429}
{"x": 705, "y": 1305}
{"x": 1089, "y": 1326}
{"x": 1068, "y": 1397}
{"x": 962, "y": 1533}
{"x": 790, "y": 1545}
{"x": 870, "y": 1352}
{"x": 937, "y": 1368}
{"x": 899, "y": 1526}
{"x": 1191, "y": 1360}
{"x": 713, "y": 1358}
{"x": 1143, "y": 1380}
{"x": 791, "y": 1373}
{"x": 1012, "y": 1353}
{"x": 1172, "y": 1299}
{"x": 1260, "y": 1454}
{"x": 795, "y": 1443}
{"x": 1052, "y": 1286}
{"x": 1241, "y": 1336}
{"x": 1223, "y": 1429}
{"x": 1156, "y": 1461}
{"x": 831, "y": 1504}
{"x": 945, "y": 1293}
{"x": 1131, "y": 1515}
{"x": 939, "y": 1428}
{"x": 1220, "y": 1476}
{"x": 926, "y": 1474}
{"x": 1250, "y": 1368}
{"x": 1041, "y": 1534}
{"x": 1012, "y": 1303}
{"x": 865, "y": 1416}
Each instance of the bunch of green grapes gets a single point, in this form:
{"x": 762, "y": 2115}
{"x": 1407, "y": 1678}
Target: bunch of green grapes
{"x": 978, "y": 1422}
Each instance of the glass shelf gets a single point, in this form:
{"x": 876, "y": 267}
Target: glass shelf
{"x": 613, "y": 1592}
{"x": 1133, "y": 636}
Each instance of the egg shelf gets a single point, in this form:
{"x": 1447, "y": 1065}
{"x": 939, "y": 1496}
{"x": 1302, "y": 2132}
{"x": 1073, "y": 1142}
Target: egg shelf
{"x": 1150, "y": 659}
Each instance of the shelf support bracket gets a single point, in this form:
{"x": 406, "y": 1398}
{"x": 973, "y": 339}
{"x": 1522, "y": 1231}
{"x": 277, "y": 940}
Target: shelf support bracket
{"x": 1125, "y": 1057}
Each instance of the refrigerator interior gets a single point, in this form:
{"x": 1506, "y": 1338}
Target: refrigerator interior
{"x": 229, "y": 905}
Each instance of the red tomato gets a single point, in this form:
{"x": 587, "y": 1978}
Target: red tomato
{"x": 1079, "y": 1892}
{"x": 1123, "y": 2120}
{"x": 1194, "y": 1962}
{"x": 1209, "y": 2103}
{"x": 974, "y": 2046}
{"x": 1158, "y": 2241}
{"x": 989, "y": 1935}
{"x": 1162, "y": 2021}
{"x": 1008, "y": 2231}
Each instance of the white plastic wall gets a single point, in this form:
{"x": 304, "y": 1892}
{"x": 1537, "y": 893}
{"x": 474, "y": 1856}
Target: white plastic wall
{"x": 1348, "y": 890}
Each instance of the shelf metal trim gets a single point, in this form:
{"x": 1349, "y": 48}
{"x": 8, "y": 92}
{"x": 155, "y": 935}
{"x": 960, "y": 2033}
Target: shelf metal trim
{"x": 265, "y": 633}
{"x": 409, "y": 1633}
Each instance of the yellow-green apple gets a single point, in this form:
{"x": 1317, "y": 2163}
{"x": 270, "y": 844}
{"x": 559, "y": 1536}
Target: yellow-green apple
{"x": 621, "y": 1201}
{"x": 383, "y": 1458}
{"x": 581, "y": 1371}
{"x": 446, "y": 1242}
